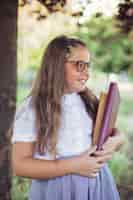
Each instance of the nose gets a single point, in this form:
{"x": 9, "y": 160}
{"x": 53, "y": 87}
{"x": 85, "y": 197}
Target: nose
{"x": 84, "y": 75}
{"x": 85, "y": 72}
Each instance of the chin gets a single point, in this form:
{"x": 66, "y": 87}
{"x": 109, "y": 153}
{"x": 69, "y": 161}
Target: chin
{"x": 81, "y": 89}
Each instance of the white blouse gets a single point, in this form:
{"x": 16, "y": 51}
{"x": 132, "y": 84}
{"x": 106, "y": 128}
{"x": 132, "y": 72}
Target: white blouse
{"x": 74, "y": 134}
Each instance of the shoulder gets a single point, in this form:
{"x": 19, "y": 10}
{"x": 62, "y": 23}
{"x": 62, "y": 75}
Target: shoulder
{"x": 24, "y": 126}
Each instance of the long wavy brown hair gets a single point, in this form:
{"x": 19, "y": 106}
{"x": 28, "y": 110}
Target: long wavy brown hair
{"x": 48, "y": 89}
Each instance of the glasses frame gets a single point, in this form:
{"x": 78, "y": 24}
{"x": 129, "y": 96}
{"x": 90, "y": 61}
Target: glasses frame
{"x": 81, "y": 65}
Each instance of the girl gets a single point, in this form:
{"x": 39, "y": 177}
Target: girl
{"x": 52, "y": 133}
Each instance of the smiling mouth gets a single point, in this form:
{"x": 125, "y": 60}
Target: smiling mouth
{"x": 82, "y": 81}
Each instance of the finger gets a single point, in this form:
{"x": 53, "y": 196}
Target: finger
{"x": 100, "y": 153}
{"x": 103, "y": 159}
{"x": 108, "y": 150}
{"x": 107, "y": 145}
{"x": 93, "y": 175}
{"x": 109, "y": 141}
{"x": 100, "y": 165}
{"x": 108, "y": 157}
{"x": 92, "y": 150}
{"x": 104, "y": 153}
{"x": 96, "y": 170}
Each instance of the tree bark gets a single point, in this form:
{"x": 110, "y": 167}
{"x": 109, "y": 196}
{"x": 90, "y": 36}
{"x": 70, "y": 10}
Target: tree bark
{"x": 8, "y": 63}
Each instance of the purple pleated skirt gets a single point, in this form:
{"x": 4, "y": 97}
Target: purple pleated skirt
{"x": 76, "y": 187}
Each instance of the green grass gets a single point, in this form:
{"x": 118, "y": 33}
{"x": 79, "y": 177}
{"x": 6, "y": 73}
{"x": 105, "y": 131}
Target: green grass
{"x": 20, "y": 188}
{"x": 118, "y": 165}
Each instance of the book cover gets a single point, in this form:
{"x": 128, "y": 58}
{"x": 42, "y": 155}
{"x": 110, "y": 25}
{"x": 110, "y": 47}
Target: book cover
{"x": 110, "y": 114}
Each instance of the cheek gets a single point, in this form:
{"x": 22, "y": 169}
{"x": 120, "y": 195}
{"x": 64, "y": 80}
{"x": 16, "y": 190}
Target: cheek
{"x": 72, "y": 76}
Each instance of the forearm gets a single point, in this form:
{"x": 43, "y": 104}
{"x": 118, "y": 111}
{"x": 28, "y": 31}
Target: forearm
{"x": 43, "y": 169}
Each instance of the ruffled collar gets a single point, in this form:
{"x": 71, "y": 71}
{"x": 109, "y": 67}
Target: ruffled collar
{"x": 70, "y": 98}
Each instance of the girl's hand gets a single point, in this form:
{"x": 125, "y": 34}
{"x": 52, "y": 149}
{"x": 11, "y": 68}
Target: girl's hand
{"x": 87, "y": 165}
{"x": 112, "y": 144}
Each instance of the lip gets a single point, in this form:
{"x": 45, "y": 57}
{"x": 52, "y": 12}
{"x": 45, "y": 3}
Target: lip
{"x": 82, "y": 80}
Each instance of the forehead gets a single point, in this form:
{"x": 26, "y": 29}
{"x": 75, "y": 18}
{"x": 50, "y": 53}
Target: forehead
{"x": 79, "y": 53}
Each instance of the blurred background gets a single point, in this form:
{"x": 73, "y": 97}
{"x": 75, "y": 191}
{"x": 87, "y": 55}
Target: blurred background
{"x": 106, "y": 27}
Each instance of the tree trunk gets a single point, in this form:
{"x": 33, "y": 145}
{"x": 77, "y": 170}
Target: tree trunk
{"x": 8, "y": 62}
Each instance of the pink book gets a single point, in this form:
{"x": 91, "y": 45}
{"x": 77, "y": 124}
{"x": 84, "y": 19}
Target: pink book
{"x": 110, "y": 114}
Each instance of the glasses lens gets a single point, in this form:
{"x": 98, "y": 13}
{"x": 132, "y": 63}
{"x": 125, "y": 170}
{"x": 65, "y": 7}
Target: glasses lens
{"x": 82, "y": 65}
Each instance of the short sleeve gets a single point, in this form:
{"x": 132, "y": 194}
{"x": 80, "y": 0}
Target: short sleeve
{"x": 24, "y": 129}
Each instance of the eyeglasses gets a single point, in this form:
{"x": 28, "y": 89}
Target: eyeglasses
{"x": 80, "y": 65}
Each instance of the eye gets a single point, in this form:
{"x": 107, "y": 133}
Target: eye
{"x": 80, "y": 65}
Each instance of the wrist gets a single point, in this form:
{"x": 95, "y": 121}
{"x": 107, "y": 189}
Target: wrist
{"x": 67, "y": 166}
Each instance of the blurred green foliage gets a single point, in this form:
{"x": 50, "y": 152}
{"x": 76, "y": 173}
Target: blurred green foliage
{"x": 20, "y": 188}
{"x": 111, "y": 50}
